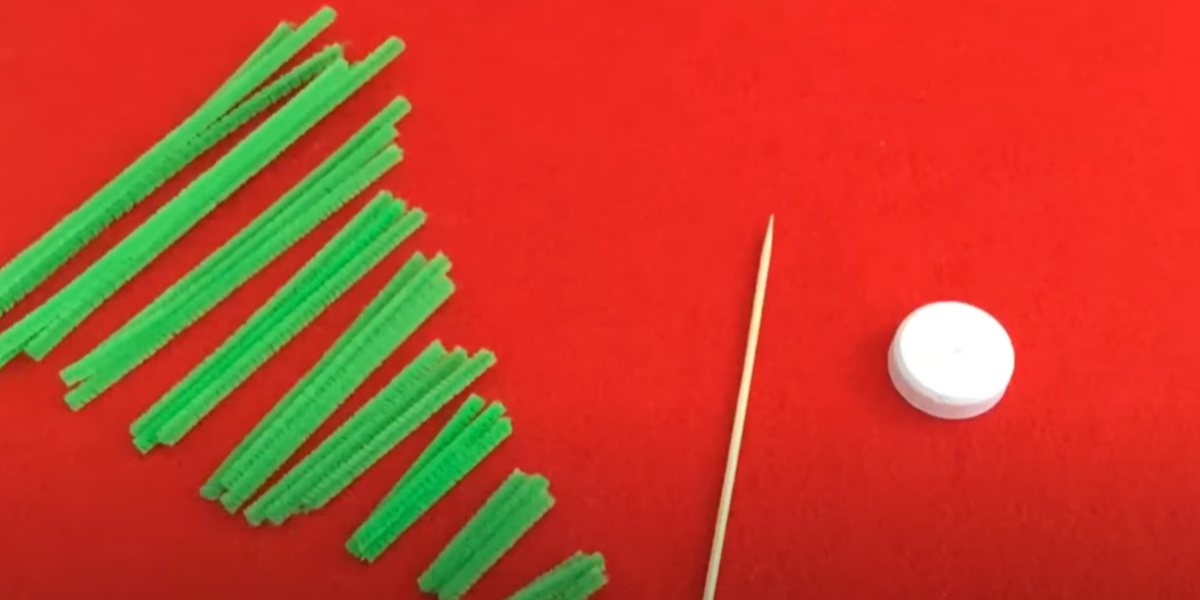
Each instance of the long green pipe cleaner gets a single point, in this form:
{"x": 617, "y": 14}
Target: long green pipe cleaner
{"x": 326, "y": 393}
{"x": 137, "y": 347}
{"x": 41, "y": 259}
{"x": 446, "y": 461}
{"x": 273, "y": 222}
{"x": 355, "y": 250}
{"x": 196, "y": 201}
{"x": 417, "y": 293}
{"x": 333, "y": 87}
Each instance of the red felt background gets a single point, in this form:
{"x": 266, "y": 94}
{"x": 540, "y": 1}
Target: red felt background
{"x": 601, "y": 174}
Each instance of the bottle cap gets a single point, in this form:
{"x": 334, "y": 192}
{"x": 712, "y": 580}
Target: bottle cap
{"x": 951, "y": 360}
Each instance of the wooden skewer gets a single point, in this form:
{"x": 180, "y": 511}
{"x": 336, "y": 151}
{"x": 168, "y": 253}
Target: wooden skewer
{"x": 739, "y": 419}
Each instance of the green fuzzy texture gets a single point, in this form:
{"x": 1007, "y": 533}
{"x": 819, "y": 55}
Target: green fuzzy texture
{"x": 395, "y": 431}
{"x": 576, "y": 578}
{"x": 180, "y": 152}
{"x": 431, "y": 479}
{"x": 264, "y": 99}
{"x": 411, "y": 399}
{"x": 411, "y": 297}
{"x": 268, "y": 224}
{"x": 281, "y": 32}
{"x": 59, "y": 315}
{"x": 343, "y": 176}
{"x": 452, "y": 557}
{"x": 121, "y": 263}
{"x": 323, "y": 400}
{"x": 161, "y": 162}
{"x": 370, "y": 66}
{"x": 144, "y": 346}
{"x": 587, "y": 584}
{"x": 12, "y": 341}
{"x": 288, "y": 324}
{"x": 354, "y": 251}
{"x": 253, "y": 343}
{"x": 451, "y": 431}
{"x": 529, "y": 509}
{"x": 195, "y": 202}
{"x": 72, "y": 305}
{"x": 433, "y": 483}
{"x": 273, "y": 226}
{"x": 377, "y": 133}
{"x": 407, "y": 284}
{"x": 281, "y": 500}
{"x": 510, "y": 512}
{"x": 215, "y": 484}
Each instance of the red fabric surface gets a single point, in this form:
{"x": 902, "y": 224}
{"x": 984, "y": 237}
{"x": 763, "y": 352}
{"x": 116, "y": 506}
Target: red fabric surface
{"x": 601, "y": 174}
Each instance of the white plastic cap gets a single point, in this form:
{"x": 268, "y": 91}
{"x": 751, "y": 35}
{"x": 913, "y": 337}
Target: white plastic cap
{"x": 951, "y": 360}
